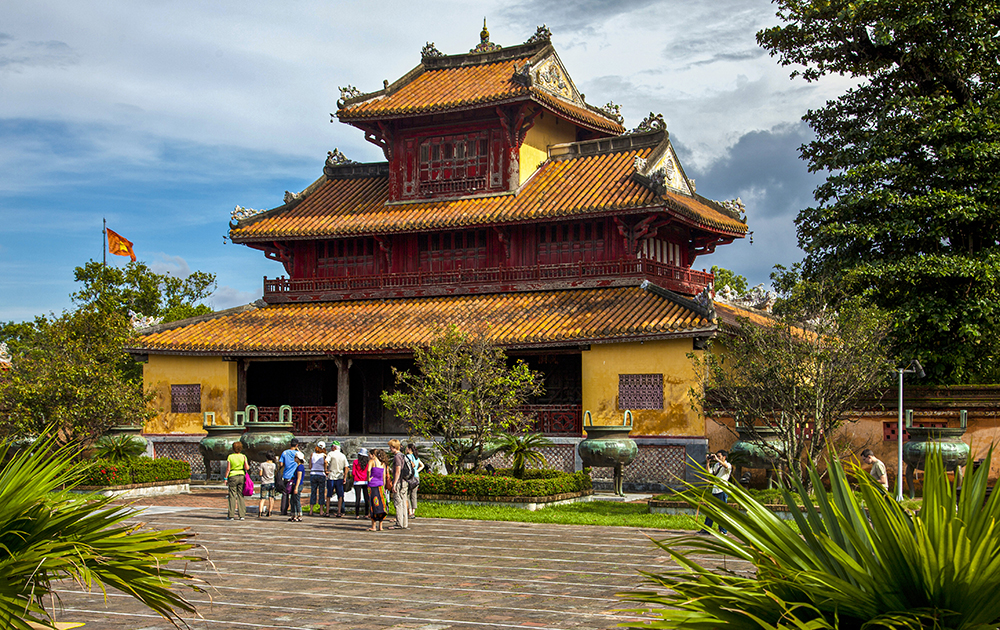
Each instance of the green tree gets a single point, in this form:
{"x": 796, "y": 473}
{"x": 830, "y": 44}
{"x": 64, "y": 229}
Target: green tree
{"x": 71, "y": 372}
{"x": 726, "y": 278}
{"x": 844, "y": 564}
{"x": 463, "y": 395}
{"x": 135, "y": 287}
{"x": 798, "y": 380}
{"x": 48, "y": 534}
{"x": 910, "y": 211}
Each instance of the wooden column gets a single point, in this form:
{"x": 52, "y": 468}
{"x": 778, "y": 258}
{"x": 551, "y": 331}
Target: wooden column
{"x": 343, "y": 395}
{"x": 241, "y": 384}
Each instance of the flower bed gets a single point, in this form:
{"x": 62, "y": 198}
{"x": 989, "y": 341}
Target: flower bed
{"x": 139, "y": 471}
{"x": 536, "y": 484}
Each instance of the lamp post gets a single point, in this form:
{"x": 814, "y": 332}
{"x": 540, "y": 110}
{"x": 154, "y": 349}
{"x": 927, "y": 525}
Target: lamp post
{"x": 913, "y": 367}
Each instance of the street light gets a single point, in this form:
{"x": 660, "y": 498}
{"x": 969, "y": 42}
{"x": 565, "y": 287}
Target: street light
{"x": 913, "y": 367}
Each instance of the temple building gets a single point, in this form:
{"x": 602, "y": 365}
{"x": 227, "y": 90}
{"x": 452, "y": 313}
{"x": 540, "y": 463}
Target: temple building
{"x": 505, "y": 204}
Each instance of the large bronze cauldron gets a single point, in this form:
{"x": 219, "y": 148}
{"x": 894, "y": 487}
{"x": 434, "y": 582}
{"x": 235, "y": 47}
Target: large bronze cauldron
{"x": 261, "y": 437}
{"x": 946, "y": 440}
{"x": 218, "y": 444}
{"x": 609, "y": 447}
{"x": 757, "y": 447}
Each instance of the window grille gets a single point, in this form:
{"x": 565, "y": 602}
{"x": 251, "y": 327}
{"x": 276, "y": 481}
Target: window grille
{"x": 185, "y": 399}
{"x": 640, "y": 391}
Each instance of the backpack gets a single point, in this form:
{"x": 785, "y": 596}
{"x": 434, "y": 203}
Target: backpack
{"x": 406, "y": 472}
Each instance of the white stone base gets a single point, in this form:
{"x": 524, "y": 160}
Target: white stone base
{"x": 528, "y": 505}
{"x": 147, "y": 491}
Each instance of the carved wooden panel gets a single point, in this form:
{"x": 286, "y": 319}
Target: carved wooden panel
{"x": 640, "y": 391}
{"x": 185, "y": 398}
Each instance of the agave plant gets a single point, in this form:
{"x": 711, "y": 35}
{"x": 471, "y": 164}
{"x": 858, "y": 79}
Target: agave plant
{"x": 118, "y": 448}
{"x": 523, "y": 450}
{"x": 48, "y": 534}
{"x": 865, "y": 564}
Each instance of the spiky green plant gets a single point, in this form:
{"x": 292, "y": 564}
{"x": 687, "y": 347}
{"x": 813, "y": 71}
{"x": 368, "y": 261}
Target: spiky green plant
{"x": 119, "y": 448}
{"x": 855, "y": 564}
{"x": 523, "y": 449}
{"x": 48, "y": 534}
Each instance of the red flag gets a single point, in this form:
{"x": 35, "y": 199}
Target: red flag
{"x": 119, "y": 245}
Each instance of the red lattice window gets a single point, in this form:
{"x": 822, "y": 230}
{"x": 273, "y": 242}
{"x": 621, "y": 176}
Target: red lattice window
{"x": 185, "y": 399}
{"x": 570, "y": 243}
{"x": 453, "y": 250}
{"x": 452, "y": 165}
{"x": 640, "y": 391}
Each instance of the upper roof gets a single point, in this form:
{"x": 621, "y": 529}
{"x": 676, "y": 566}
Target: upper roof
{"x": 586, "y": 178}
{"x": 530, "y": 319}
{"x": 528, "y": 72}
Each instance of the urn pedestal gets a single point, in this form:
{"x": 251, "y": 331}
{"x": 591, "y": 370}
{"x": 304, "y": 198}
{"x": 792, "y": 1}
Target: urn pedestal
{"x": 609, "y": 447}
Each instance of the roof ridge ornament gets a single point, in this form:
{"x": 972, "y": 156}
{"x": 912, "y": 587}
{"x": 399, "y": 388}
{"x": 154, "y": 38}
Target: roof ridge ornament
{"x": 290, "y": 196}
{"x": 5, "y": 358}
{"x": 736, "y": 208}
{"x": 240, "y": 213}
{"x": 653, "y": 122}
{"x": 542, "y": 34}
{"x": 347, "y": 93}
{"x": 337, "y": 158}
{"x": 522, "y": 74}
{"x": 614, "y": 111}
{"x": 485, "y": 45}
{"x": 429, "y": 51}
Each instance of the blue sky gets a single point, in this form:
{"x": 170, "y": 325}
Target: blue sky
{"x": 162, "y": 116}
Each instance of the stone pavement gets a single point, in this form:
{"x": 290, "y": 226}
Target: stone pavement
{"x": 440, "y": 574}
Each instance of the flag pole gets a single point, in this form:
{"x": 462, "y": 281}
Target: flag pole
{"x": 104, "y": 241}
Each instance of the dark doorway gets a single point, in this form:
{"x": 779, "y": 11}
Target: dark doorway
{"x": 296, "y": 383}
{"x": 369, "y": 378}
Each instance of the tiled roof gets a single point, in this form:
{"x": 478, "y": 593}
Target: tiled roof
{"x": 563, "y": 188}
{"x": 463, "y": 87}
{"x": 543, "y": 318}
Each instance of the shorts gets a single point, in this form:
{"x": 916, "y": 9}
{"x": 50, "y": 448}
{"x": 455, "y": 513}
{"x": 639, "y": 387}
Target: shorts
{"x": 266, "y": 491}
{"x": 335, "y": 484}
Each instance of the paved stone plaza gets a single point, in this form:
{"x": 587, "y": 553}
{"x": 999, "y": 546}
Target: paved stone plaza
{"x": 439, "y": 574}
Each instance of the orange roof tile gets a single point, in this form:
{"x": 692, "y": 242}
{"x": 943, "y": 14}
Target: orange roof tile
{"x": 581, "y": 185}
{"x": 438, "y": 89}
{"x": 517, "y": 320}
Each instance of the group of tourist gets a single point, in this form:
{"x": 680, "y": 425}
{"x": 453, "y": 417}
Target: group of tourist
{"x": 330, "y": 474}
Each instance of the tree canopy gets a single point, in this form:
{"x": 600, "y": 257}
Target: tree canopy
{"x": 135, "y": 287}
{"x": 463, "y": 395}
{"x": 910, "y": 211}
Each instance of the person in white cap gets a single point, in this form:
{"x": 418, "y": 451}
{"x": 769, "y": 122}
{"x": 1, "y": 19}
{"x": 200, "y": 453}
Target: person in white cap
{"x": 317, "y": 479}
{"x": 336, "y": 477}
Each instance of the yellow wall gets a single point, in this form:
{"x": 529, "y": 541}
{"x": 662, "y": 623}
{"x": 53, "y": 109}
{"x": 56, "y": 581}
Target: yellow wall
{"x": 218, "y": 390}
{"x": 604, "y": 362}
{"x": 547, "y": 130}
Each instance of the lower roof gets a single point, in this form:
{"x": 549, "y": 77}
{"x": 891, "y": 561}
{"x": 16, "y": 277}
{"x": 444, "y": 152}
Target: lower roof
{"x": 516, "y": 320}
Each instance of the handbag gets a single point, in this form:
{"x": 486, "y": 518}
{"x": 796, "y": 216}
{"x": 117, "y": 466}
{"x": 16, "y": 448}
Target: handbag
{"x": 349, "y": 481}
{"x": 247, "y": 481}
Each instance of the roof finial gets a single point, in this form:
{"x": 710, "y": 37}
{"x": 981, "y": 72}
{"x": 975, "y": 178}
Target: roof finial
{"x": 485, "y": 45}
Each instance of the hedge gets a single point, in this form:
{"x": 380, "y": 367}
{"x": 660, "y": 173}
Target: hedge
{"x": 538, "y": 483}
{"x": 140, "y": 470}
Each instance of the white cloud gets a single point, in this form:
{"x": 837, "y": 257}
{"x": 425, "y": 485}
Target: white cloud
{"x": 228, "y": 297}
{"x": 171, "y": 265}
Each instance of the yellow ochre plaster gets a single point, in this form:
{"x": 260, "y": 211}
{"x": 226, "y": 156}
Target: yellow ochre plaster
{"x": 547, "y": 130}
{"x": 218, "y": 390}
{"x": 604, "y": 362}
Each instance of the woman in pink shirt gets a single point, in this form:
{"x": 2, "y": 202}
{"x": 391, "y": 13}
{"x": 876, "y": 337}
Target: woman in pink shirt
{"x": 359, "y": 472}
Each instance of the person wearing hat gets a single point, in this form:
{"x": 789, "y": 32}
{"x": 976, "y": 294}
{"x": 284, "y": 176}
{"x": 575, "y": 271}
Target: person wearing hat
{"x": 336, "y": 476}
{"x": 295, "y": 493}
{"x": 317, "y": 479}
{"x": 286, "y": 465}
{"x": 359, "y": 471}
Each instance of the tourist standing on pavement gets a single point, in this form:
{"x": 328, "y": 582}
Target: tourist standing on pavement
{"x": 287, "y": 466}
{"x": 317, "y": 479}
{"x": 376, "y": 489}
{"x": 400, "y": 488}
{"x": 414, "y": 457}
{"x": 267, "y": 468}
{"x": 336, "y": 476}
{"x": 236, "y": 472}
{"x": 295, "y": 494}
{"x": 720, "y": 468}
{"x": 359, "y": 472}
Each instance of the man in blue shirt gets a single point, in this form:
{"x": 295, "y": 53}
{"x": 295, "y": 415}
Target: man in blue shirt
{"x": 288, "y": 466}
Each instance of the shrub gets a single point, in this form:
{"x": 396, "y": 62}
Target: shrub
{"x": 537, "y": 483}
{"x": 101, "y": 472}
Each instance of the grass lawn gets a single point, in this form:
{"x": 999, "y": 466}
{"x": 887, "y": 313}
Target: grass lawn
{"x": 610, "y": 513}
